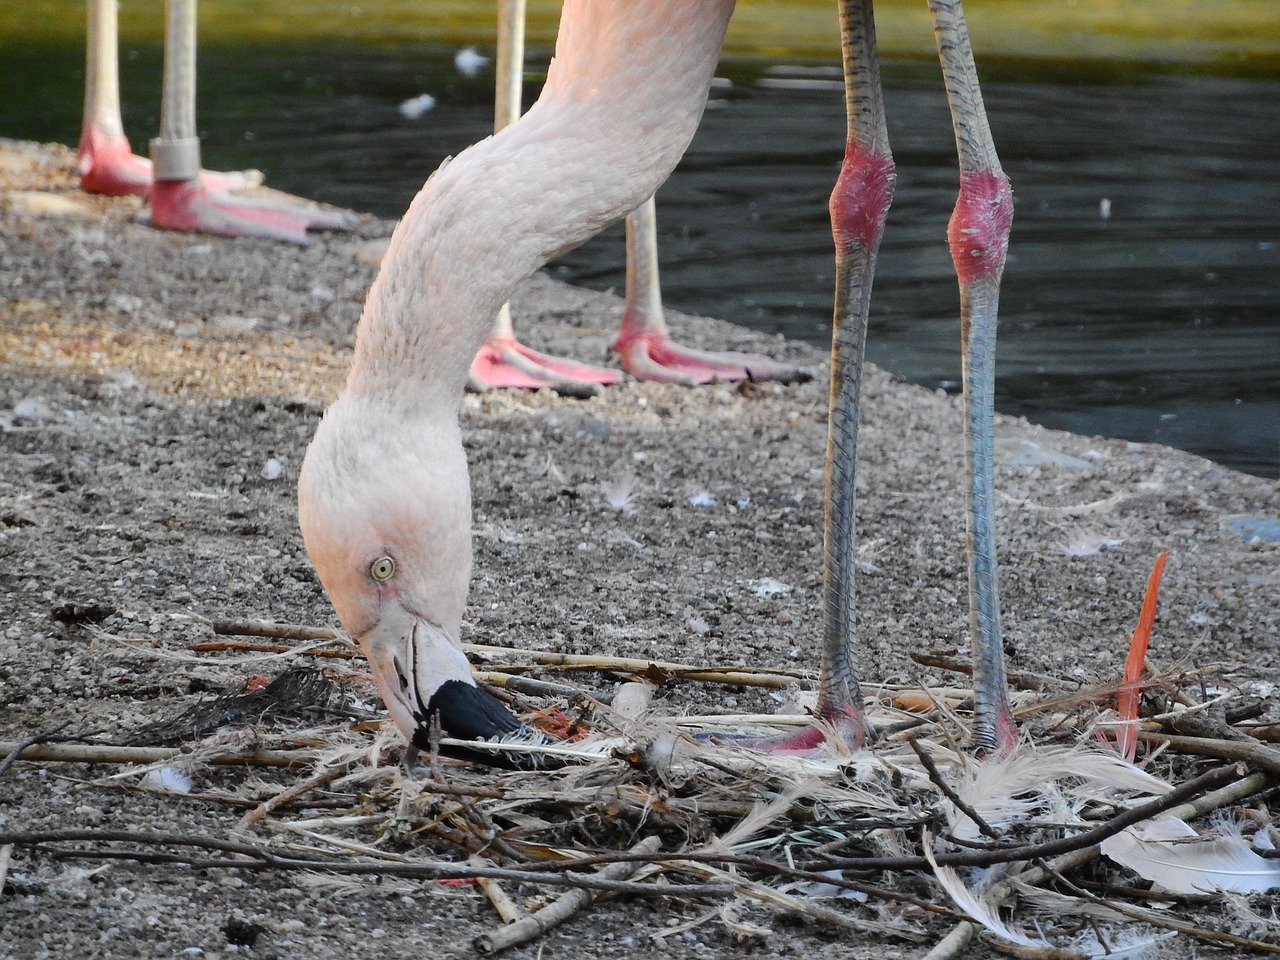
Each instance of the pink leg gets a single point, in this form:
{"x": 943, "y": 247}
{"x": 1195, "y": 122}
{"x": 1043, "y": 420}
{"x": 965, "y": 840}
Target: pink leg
{"x": 105, "y": 161}
{"x": 503, "y": 361}
{"x": 181, "y": 199}
{"x": 979, "y": 236}
{"x": 108, "y": 165}
{"x": 644, "y": 343}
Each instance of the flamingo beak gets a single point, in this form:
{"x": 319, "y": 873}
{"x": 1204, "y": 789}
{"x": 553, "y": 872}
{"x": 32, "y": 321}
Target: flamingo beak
{"x": 425, "y": 679}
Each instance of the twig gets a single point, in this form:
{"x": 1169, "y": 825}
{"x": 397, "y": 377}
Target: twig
{"x": 954, "y": 942}
{"x": 1164, "y": 920}
{"x": 264, "y": 858}
{"x": 738, "y": 676}
{"x": 13, "y": 751}
{"x": 221, "y": 646}
{"x": 275, "y": 631}
{"x": 6, "y": 854}
{"x": 799, "y": 906}
{"x": 110, "y": 753}
{"x": 735, "y": 675}
{"x": 1019, "y": 680}
{"x": 1257, "y": 755}
{"x": 560, "y": 909}
{"x": 268, "y": 806}
{"x": 505, "y": 907}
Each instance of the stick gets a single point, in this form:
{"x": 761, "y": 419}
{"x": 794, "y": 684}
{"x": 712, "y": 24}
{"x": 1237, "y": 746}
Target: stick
{"x": 955, "y": 941}
{"x": 275, "y": 631}
{"x": 559, "y": 910}
{"x": 258, "y": 857}
{"x": 1257, "y": 755}
{"x": 266, "y": 807}
{"x": 506, "y": 907}
{"x": 938, "y": 781}
{"x": 109, "y": 753}
{"x": 221, "y": 646}
{"x": 6, "y": 853}
{"x": 798, "y": 906}
{"x": 736, "y": 675}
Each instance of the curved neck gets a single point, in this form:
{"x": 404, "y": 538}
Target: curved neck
{"x": 622, "y": 100}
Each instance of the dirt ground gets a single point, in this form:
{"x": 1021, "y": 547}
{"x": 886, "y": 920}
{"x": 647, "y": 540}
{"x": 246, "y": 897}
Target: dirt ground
{"x": 157, "y": 392}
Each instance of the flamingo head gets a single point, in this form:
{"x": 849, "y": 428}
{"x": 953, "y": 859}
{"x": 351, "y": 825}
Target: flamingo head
{"x": 385, "y": 509}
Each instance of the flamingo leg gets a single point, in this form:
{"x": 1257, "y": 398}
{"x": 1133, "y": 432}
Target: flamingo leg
{"x": 859, "y": 206}
{"x": 978, "y": 235}
{"x": 503, "y": 361}
{"x": 181, "y": 199}
{"x": 644, "y": 343}
{"x": 105, "y": 161}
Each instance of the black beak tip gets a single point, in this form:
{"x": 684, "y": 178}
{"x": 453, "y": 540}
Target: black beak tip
{"x": 468, "y": 713}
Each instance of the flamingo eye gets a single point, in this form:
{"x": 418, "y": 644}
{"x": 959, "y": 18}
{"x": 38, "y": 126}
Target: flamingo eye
{"x": 382, "y": 569}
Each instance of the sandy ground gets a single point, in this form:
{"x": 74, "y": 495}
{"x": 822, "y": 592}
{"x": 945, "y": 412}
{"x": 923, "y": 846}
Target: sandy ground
{"x": 157, "y": 392}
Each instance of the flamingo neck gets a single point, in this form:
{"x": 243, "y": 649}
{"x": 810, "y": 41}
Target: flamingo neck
{"x": 623, "y": 97}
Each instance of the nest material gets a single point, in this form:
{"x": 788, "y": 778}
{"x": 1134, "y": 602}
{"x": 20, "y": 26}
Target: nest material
{"x": 884, "y": 841}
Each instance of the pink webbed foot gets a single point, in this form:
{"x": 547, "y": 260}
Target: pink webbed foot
{"x": 653, "y": 355}
{"x": 505, "y": 362}
{"x": 193, "y": 205}
{"x": 107, "y": 164}
{"x": 846, "y": 730}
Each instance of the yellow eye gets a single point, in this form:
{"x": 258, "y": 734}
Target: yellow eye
{"x": 382, "y": 569}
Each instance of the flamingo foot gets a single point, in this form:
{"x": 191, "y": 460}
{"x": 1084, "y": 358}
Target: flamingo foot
{"x": 846, "y": 731}
{"x": 505, "y": 362}
{"x": 653, "y": 355}
{"x": 193, "y": 205}
{"x": 107, "y": 164}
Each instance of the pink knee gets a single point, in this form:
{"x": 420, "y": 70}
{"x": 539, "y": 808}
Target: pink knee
{"x": 861, "y": 198}
{"x": 979, "y": 228}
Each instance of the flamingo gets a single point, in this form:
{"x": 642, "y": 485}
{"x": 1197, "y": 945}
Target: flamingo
{"x": 384, "y": 500}
{"x": 644, "y": 344}
{"x": 183, "y": 196}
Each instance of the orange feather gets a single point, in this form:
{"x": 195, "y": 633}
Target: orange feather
{"x": 1130, "y": 688}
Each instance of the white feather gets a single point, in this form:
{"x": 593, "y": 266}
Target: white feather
{"x": 1052, "y": 781}
{"x": 1170, "y": 854}
{"x": 972, "y": 904}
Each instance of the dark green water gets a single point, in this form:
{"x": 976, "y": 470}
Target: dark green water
{"x": 1160, "y": 323}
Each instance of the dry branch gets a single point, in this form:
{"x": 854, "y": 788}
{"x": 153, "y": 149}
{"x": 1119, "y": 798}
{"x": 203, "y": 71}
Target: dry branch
{"x": 109, "y": 753}
{"x": 559, "y": 910}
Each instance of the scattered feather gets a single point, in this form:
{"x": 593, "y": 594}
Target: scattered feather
{"x": 551, "y": 471}
{"x": 1168, "y": 852}
{"x": 702, "y": 498}
{"x": 1087, "y": 543}
{"x": 769, "y": 587}
{"x": 972, "y": 903}
{"x": 272, "y": 469}
{"x": 167, "y": 780}
{"x": 1128, "y": 694}
{"x": 468, "y": 62}
{"x": 1053, "y": 782}
{"x": 415, "y": 107}
{"x": 621, "y": 493}
{"x": 826, "y": 891}
{"x": 33, "y": 410}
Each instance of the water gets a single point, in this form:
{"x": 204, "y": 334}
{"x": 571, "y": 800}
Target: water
{"x": 1158, "y": 323}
